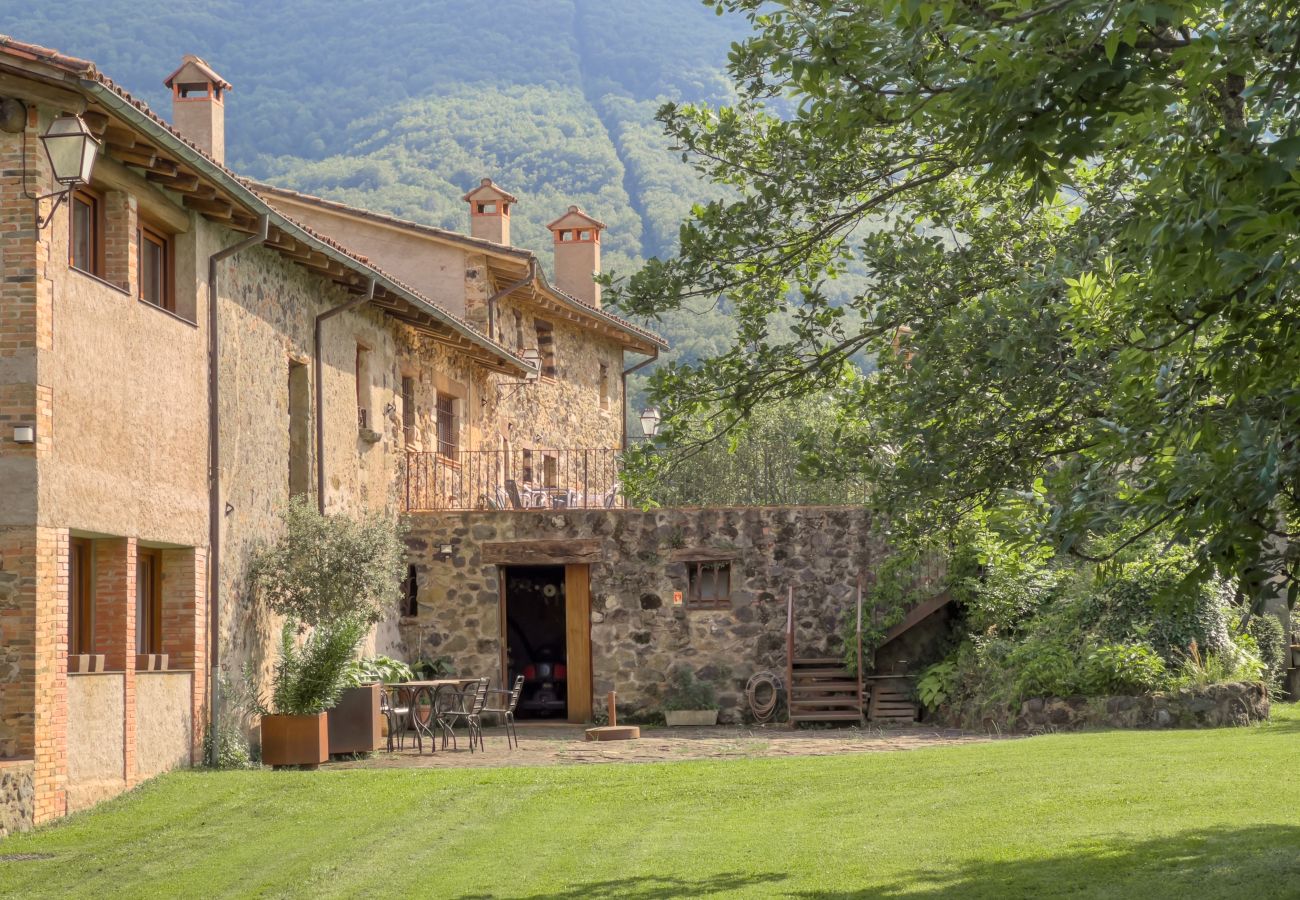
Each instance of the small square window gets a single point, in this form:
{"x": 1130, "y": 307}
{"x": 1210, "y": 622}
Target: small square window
{"x": 709, "y": 585}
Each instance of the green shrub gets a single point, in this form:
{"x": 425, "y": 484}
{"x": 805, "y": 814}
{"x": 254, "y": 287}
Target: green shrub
{"x": 1044, "y": 667}
{"x": 382, "y": 669}
{"x": 1123, "y": 669}
{"x": 685, "y": 692}
{"x": 1234, "y": 663}
{"x": 1272, "y": 646}
{"x": 326, "y": 568}
{"x": 938, "y": 684}
{"x": 309, "y": 679}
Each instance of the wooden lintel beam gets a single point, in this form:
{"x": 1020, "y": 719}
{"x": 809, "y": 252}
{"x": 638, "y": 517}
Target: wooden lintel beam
{"x": 540, "y": 553}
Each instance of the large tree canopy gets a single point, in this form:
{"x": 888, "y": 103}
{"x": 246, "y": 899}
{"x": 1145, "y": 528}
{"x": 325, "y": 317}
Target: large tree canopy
{"x": 1079, "y": 220}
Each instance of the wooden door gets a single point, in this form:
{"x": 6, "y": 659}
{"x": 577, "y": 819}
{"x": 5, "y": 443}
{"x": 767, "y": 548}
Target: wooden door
{"x": 577, "y": 627}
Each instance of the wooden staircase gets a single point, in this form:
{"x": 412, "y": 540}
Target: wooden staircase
{"x": 821, "y": 688}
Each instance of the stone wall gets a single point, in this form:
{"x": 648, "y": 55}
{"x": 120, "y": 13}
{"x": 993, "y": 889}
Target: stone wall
{"x": 638, "y": 635}
{"x": 17, "y": 795}
{"x": 1215, "y": 706}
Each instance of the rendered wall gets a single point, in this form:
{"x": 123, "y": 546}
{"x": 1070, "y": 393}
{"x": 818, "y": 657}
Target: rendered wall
{"x": 96, "y": 749}
{"x": 638, "y": 636}
{"x": 164, "y": 722}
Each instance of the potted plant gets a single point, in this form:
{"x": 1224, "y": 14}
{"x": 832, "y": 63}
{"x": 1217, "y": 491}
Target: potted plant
{"x": 337, "y": 576}
{"x": 357, "y": 724}
{"x": 308, "y": 681}
{"x": 688, "y": 701}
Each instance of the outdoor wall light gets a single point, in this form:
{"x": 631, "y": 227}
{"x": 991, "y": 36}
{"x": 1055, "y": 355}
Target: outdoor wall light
{"x": 533, "y": 356}
{"x": 650, "y": 421}
{"x": 446, "y": 552}
{"x": 24, "y": 434}
{"x": 72, "y": 151}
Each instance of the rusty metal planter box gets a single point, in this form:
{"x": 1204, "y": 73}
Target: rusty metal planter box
{"x": 295, "y": 740}
{"x": 355, "y": 723}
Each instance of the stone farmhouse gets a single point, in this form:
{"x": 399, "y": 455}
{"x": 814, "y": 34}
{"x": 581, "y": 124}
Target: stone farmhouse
{"x": 183, "y": 350}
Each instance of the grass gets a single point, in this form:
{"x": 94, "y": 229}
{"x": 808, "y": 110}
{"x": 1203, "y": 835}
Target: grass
{"x": 1102, "y": 814}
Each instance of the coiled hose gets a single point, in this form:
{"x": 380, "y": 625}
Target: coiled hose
{"x": 763, "y": 709}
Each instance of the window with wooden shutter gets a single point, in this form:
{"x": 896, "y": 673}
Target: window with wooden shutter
{"x": 709, "y": 585}
{"x": 546, "y": 347}
{"x": 408, "y": 410}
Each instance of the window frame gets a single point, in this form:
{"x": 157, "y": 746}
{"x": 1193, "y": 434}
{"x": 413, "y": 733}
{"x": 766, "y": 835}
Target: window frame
{"x": 448, "y": 418}
{"x": 95, "y": 200}
{"x": 148, "y": 575}
{"x": 81, "y": 596}
{"x": 603, "y": 384}
{"x": 694, "y": 598}
{"x": 167, "y": 256}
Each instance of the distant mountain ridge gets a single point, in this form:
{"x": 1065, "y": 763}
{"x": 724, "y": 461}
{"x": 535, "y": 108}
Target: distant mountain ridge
{"x": 403, "y": 107}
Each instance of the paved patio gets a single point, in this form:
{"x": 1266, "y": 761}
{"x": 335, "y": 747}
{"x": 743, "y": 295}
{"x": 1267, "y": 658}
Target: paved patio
{"x": 546, "y": 744}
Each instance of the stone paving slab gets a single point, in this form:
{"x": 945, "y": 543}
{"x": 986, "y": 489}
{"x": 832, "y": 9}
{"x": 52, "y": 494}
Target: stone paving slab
{"x": 554, "y": 745}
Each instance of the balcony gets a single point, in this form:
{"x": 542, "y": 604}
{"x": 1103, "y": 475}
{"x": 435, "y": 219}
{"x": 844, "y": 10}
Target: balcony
{"x": 515, "y": 479}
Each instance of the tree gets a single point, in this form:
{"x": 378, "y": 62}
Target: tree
{"x": 329, "y": 569}
{"x": 1079, "y": 220}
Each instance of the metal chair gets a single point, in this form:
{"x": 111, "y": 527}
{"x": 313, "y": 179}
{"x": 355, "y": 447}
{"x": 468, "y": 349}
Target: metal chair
{"x": 392, "y": 708}
{"x": 467, "y": 705}
{"x": 507, "y": 711}
{"x": 513, "y": 495}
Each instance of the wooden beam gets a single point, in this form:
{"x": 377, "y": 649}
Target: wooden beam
{"x": 915, "y": 615}
{"x": 139, "y": 156}
{"x": 184, "y": 184}
{"x": 218, "y": 209}
{"x": 152, "y": 202}
{"x": 34, "y": 91}
{"x": 541, "y": 553}
{"x": 96, "y": 121}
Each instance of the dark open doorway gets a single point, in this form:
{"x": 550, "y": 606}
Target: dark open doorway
{"x": 536, "y": 639}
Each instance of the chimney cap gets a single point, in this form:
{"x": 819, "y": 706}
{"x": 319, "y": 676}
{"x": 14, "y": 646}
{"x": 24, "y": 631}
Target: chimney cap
{"x": 193, "y": 68}
{"x": 575, "y": 218}
{"x": 489, "y": 190}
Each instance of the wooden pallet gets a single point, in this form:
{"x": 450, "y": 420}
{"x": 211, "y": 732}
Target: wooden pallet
{"x": 891, "y": 700}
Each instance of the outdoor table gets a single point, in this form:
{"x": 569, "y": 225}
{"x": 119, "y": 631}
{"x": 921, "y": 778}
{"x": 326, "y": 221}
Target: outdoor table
{"x": 427, "y": 694}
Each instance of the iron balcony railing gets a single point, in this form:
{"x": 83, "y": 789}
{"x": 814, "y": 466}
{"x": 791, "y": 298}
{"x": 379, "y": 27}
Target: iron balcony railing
{"x": 513, "y": 479}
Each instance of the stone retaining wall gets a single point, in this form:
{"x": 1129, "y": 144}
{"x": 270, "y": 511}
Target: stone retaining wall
{"x": 1215, "y": 706}
{"x": 17, "y": 795}
{"x": 638, "y": 635}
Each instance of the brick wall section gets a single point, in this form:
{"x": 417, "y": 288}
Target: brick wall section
{"x": 121, "y": 239}
{"x": 24, "y": 303}
{"x": 184, "y": 624}
{"x": 115, "y": 563}
{"x": 51, "y": 674}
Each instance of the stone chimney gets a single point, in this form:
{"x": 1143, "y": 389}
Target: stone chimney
{"x": 199, "y": 106}
{"x": 577, "y": 254}
{"x": 489, "y": 212}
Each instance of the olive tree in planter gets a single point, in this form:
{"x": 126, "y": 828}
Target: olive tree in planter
{"x": 335, "y": 576}
{"x": 688, "y": 701}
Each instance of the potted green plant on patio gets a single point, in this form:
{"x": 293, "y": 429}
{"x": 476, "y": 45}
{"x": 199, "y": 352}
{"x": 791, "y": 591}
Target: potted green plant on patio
{"x": 688, "y": 701}
{"x": 308, "y": 681}
{"x": 336, "y": 575}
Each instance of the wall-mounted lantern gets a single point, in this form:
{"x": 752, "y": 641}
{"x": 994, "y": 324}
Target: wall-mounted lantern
{"x": 650, "y": 421}
{"x": 446, "y": 552}
{"x": 72, "y": 151}
{"x": 24, "y": 434}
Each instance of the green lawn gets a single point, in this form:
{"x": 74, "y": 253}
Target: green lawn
{"x": 1108, "y": 814}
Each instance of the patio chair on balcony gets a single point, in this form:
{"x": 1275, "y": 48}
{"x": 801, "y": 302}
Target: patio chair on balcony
{"x": 512, "y": 494}
{"x": 506, "y": 711}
